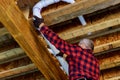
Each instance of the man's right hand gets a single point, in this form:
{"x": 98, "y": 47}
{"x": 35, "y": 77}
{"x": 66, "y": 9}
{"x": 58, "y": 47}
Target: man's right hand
{"x": 38, "y": 22}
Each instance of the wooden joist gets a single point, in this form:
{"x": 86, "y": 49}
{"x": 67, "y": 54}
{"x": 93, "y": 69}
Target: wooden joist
{"x": 79, "y": 32}
{"x": 20, "y": 29}
{"x": 110, "y": 64}
{"x": 81, "y": 7}
{"x": 107, "y": 46}
{"x": 106, "y": 51}
{"x": 111, "y": 74}
{"x": 3, "y": 31}
{"x": 31, "y": 67}
{"x": 90, "y": 29}
{"x": 109, "y": 60}
{"x": 17, "y": 53}
{"x": 19, "y": 70}
{"x": 11, "y": 55}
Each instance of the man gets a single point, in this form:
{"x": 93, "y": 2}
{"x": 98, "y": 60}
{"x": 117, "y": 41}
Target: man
{"x": 82, "y": 63}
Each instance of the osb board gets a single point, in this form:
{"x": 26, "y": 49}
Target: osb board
{"x": 32, "y": 76}
{"x": 15, "y": 64}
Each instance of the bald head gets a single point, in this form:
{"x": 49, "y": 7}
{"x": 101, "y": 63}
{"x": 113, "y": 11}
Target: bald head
{"x": 86, "y": 44}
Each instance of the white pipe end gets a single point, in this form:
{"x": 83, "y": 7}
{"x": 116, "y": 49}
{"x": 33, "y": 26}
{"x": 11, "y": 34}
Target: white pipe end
{"x": 69, "y": 1}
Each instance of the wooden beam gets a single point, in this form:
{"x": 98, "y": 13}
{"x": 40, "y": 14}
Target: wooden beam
{"x": 96, "y": 34}
{"x": 114, "y": 78}
{"x": 20, "y": 29}
{"x": 3, "y": 31}
{"x": 11, "y": 55}
{"x": 90, "y": 29}
{"x": 94, "y": 29}
{"x": 21, "y": 74}
{"x": 106, "y": 51}
{"x": 111, "y": 74}
{"x": 109, "y": 60}
{"x": 107, "y": 46}
{"x": 16, "y": 71}
{"x": 105, "y": 32}
{"x": 110, "y": 65}
{"x": 32, "y": 68}
{"x": 18, "y": 53}
{"x": 81, "y": 7}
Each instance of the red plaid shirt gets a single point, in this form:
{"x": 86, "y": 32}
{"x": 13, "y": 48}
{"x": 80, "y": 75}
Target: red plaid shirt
{"x": 82, "y": 62}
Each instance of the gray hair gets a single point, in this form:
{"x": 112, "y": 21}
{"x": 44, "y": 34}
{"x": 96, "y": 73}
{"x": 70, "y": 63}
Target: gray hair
{"x": 88, "y": 43}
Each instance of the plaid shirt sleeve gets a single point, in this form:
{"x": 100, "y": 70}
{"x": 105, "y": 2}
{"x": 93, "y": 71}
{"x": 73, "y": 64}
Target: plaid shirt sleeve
{"x": 81, "y": 62}
{"x": 59, "y": 43}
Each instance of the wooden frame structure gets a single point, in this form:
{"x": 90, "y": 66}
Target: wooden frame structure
{"x": 28, "y": 40}
{"x": 32, "y": 44}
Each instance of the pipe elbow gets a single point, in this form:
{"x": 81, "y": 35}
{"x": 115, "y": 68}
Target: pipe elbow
{"x": 43, "y": 3}
{"x": 37, "y": 9}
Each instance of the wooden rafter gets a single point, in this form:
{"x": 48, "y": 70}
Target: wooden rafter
{"x": 3, "y": 31}
{"x": 70, "y": 35}
{"x": 31, "y": 67}
{"x": 81, "y": 7}
{"x": 18, "y": 70}
{"x": 20, "y": 29}
{"x": 11, "y": 55}
{"x": 107, "y": 46}
{"x": 90, "y": 29}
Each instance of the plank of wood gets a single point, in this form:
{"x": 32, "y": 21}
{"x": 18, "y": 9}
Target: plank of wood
{"x": 110, "y": 65}
{"x": 114, "y": 78}
{"x": 23, "y": 74}
{"x": 21, "y": 30}
{"x": 3, "y": 31}
{"x": 109, "y": 60}
{"x": 70, "y": 35}
{"x": 31, "y": 67}
{"x": 90, "y": 29}
{"x": 96, "y": 34}
{"x": 18, "y": 70}
{"x": 81, "y": 7}
{"x": 111, "y": 74}
{"x": 107, "y": 46}
{"x": 106, "y": 51}
{"x": 18, "y": 53}
{"x": 11, "y": 55}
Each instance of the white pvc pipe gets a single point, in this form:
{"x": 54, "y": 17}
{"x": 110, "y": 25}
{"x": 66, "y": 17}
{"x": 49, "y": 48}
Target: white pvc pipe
{"x": 44, "y": 3}
{"x": 36, "y": 12}
{"x": 82, "y": 20}
{"x": 55, "y": 51}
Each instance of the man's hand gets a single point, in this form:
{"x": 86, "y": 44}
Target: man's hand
{"x": 38, "y": 22}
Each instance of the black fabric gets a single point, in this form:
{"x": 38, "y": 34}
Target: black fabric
{"x": 60, "y": 54}
{"x": 37, "y": 21}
